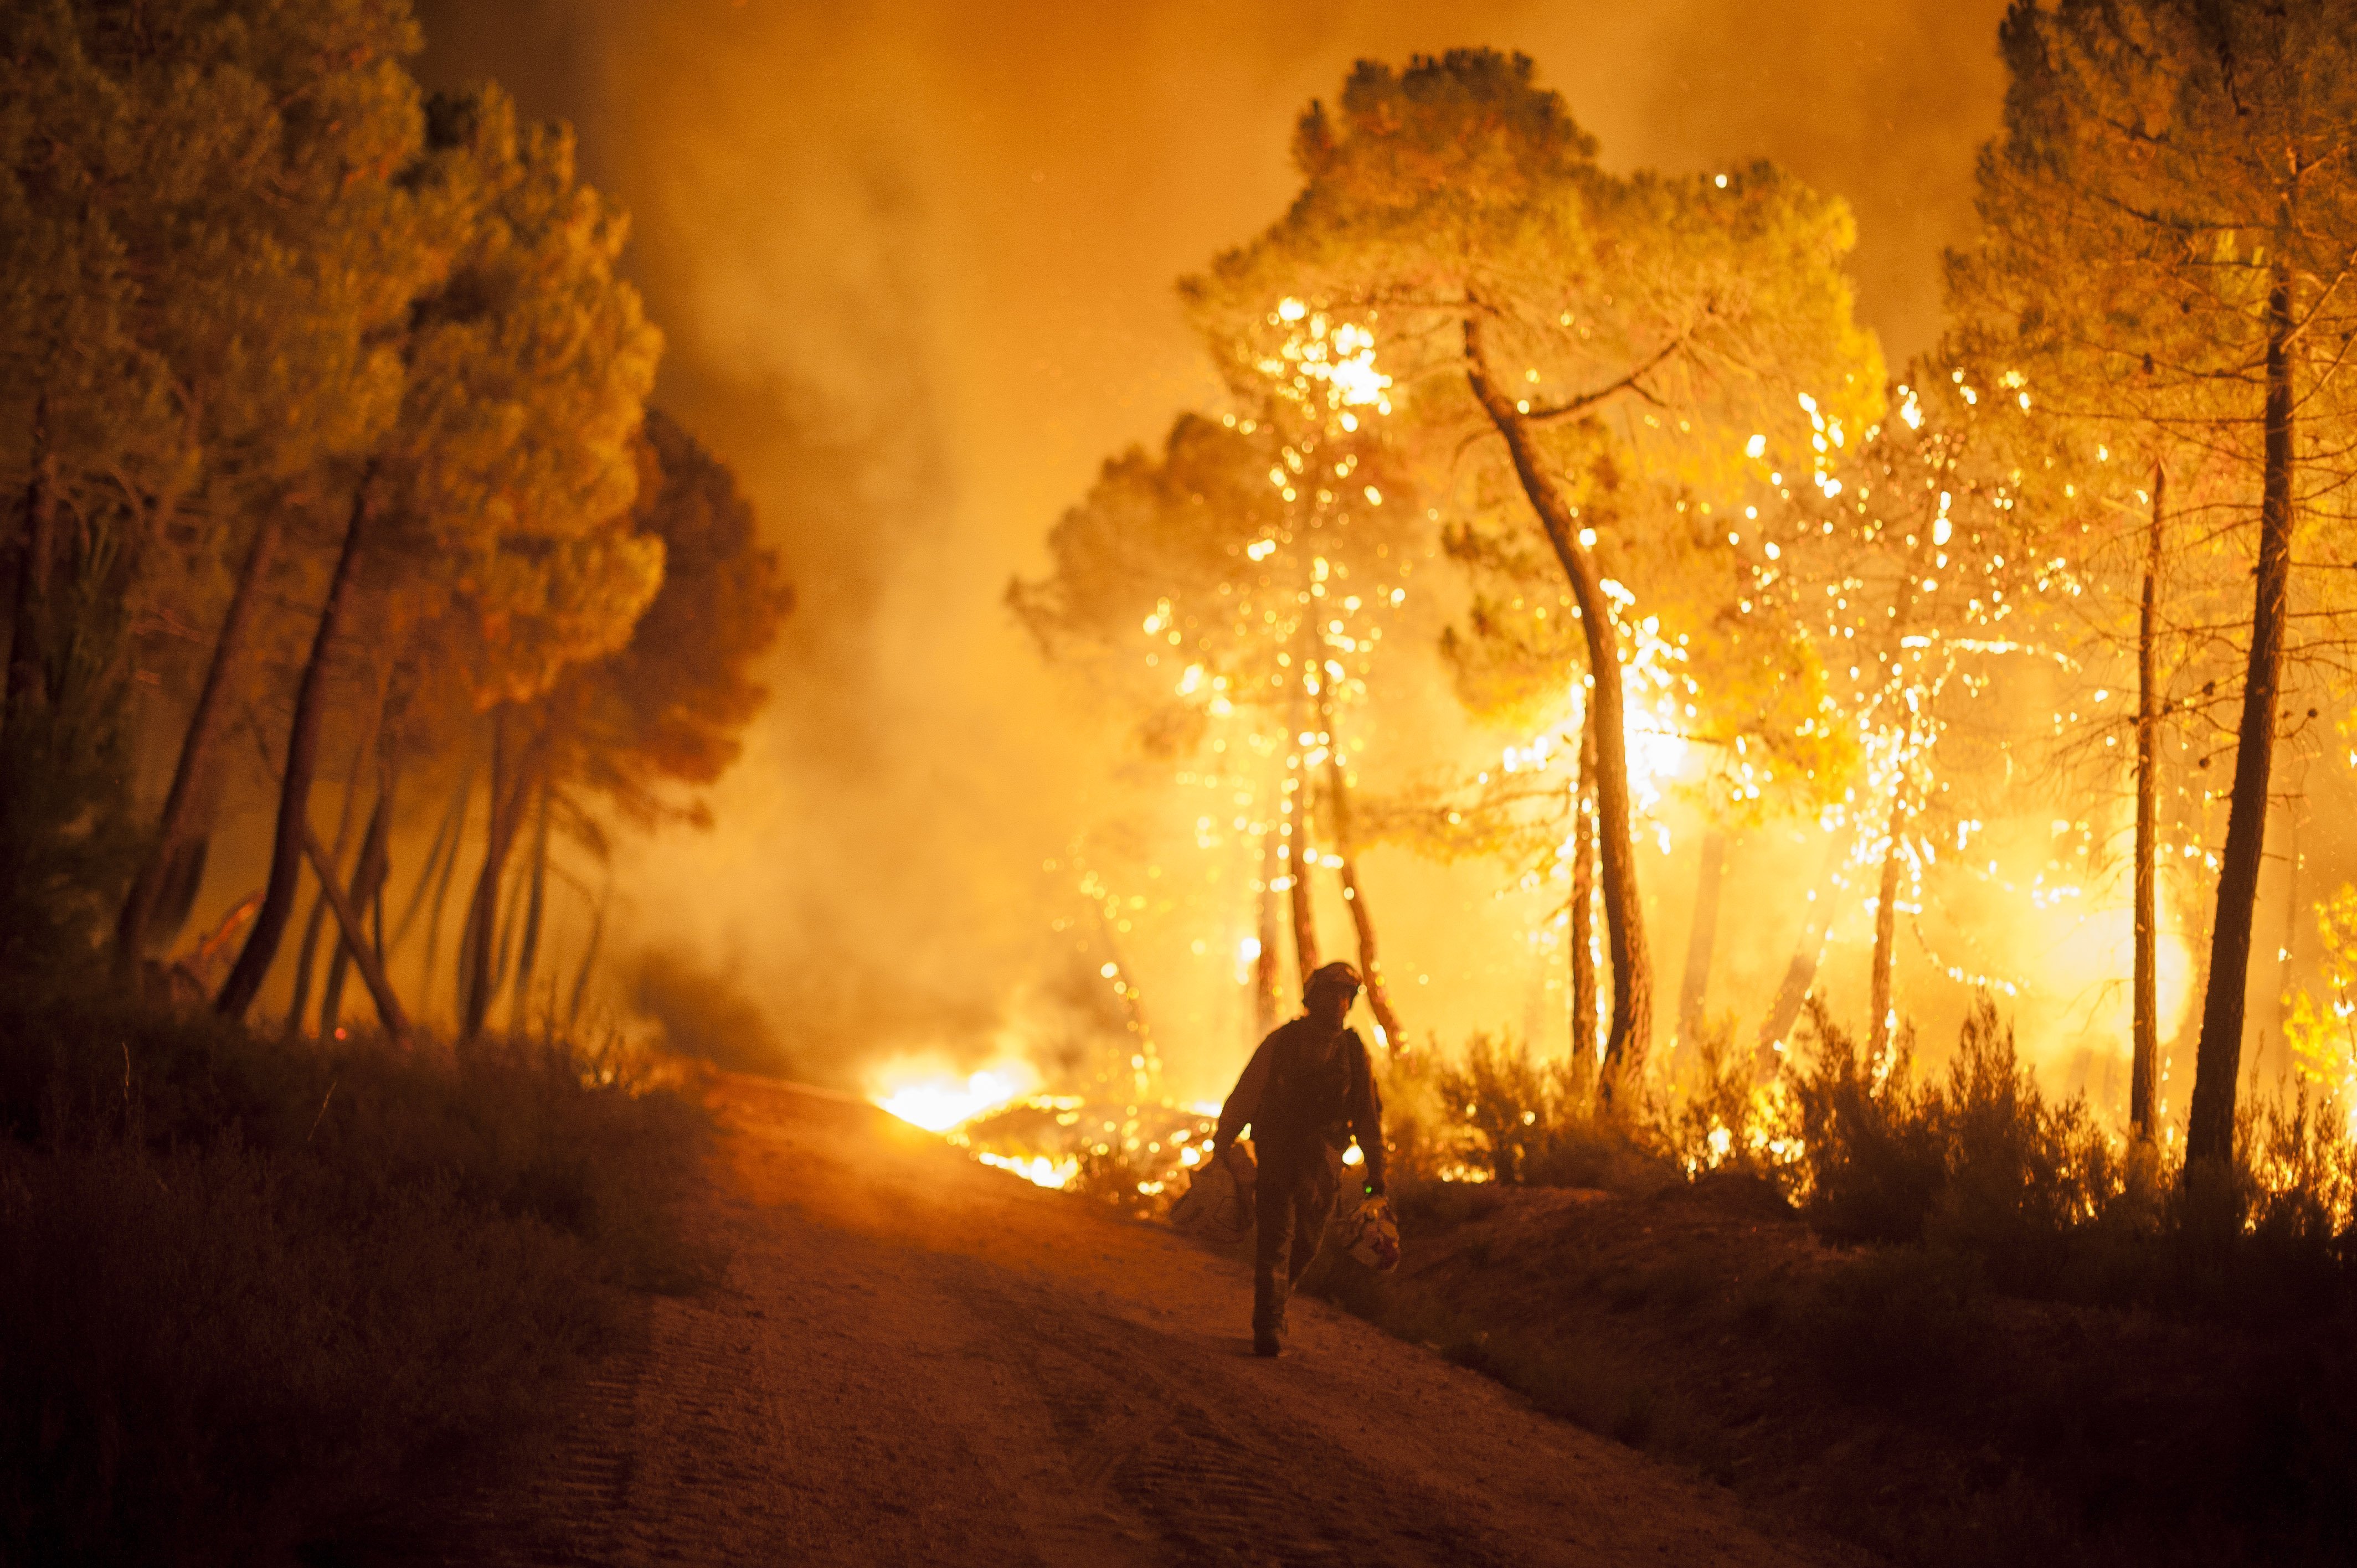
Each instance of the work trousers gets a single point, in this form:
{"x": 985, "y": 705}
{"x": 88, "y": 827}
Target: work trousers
{"x": 1294, "y": 1201}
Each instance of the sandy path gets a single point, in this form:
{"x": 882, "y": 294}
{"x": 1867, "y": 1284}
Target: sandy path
{"x": 917, "y": 1359}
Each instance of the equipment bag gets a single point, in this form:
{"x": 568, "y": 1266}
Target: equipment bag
{"x": 1217, "y": 1206}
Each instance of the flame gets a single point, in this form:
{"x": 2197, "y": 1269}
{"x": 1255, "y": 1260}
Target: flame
{"x": 925, "y": 1095}
{"x": 1038, "y": 1170}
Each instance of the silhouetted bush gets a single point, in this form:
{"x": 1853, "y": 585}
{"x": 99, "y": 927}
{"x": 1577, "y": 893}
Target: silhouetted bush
{"x": 1513, "y": 1120}
{"x": 246, "y": 1285}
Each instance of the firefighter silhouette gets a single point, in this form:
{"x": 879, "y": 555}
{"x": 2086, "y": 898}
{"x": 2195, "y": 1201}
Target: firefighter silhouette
{"x": 1308, "y": 1090}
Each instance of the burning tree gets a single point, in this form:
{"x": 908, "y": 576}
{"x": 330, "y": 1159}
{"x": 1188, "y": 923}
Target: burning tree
{"x": 2171, "y": 218}
{"x": 1728, "y": 706}
{"x": 1523, "y": 292}
{"x": 1260, "y": 559}
{"x": 1905, "y": 557}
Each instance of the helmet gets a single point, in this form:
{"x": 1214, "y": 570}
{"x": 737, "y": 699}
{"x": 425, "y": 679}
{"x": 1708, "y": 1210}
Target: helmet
{"x": 1337, "y": 974}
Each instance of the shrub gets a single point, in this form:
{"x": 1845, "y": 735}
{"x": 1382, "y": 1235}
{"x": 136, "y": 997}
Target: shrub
{"x": 1508, "y": 1106}
{"x": 1872, "y": 1162}
{"x": 2019, "y": 1175}
{"x": 1718, "y": 1116}
{"x": 1513, "y": 1120}
{"x": 245, "y": 1283}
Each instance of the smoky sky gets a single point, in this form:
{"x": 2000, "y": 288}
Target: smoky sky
{"x": 914, "y": 263}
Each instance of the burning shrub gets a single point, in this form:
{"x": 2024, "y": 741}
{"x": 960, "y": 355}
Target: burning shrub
{"x": 1513, "y": 1120}
{"x": 1136, "y": 1156}
{"x": 1720, "y": 1117}
{"x": 2300, "y": 1166}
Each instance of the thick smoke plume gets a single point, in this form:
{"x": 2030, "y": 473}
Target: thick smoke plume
{"x": 914, "y": 262}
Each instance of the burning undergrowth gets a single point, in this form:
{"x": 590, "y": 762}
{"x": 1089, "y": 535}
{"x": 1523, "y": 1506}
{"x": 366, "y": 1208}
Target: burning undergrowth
{"x": 1136, "y": 1156}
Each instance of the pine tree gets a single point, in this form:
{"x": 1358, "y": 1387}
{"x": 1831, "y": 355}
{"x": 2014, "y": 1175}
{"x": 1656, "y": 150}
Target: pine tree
{"x": 2171, "y": 216}
{"x": 1523, "y": 290}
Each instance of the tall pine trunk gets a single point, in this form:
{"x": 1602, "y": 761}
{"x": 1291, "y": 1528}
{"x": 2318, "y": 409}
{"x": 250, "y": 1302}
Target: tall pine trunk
{"x": 36, "y": 559}
{"x": 1298, "y": 859}
{"x": 1632, "y": 981}
{"x": 307, "y": 953}
{"x": 368, "y": 888}
{"x": 1267, "y": 964}
{"x": 1701, "y": 938}
{"x": 1354, "y": 897}
{"x": 514, "y": 767}
{"x": 1885, "y": 928}
{"x": 2143, "y": 1071}
{"x": 520, "y": 1007}
{"x": 2210, "y": 1130}
{"x": 1808, "y": 952}
{"x": 245, "y": 979}
{"x": 446, "y": 843}
{"x": 1584, "y": 1043}
{"x": 192, "y": 772}
{"x": 348, "y": 921}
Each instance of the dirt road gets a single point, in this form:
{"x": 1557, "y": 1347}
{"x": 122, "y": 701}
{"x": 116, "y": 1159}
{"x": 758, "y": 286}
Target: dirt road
{"x": 915, "y": 1359}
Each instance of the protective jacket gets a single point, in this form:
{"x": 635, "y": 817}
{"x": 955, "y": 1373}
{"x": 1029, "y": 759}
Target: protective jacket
{"x": 1299, "y": 1106}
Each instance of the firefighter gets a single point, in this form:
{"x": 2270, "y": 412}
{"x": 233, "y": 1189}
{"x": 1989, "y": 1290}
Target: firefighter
{"x": 1307, "y": 1092}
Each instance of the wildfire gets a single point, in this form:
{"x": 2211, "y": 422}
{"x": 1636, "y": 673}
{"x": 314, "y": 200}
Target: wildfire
{"x": 925, "y": 1095}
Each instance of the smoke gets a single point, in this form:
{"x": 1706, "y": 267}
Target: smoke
{"x": 914, "y": 262}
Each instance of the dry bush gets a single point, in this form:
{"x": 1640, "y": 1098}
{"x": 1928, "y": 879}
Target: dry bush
{"x": 1513, "y": 1120}
{"x": 1718, "y": 1116}
{"x": 246, "y": 1285}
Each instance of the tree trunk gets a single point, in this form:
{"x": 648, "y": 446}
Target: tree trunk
{"x": 245, "y": 981}
{"x": 476, "y": 936}
{"x": 588, "y": 961}
{"x": 1624, "y": 922}
{"x": 2143, "y": 1075}
{"x": 1298, "y": 855}
{"x": 446, "y": 843}
{"x": 520, "y": 1008}
{"x": 512, "y": 775}
{"x": 1702, "y": 938}
{"x": 1371, "y": 964}
{"x": 367, "y": 885}
{"x": 1885, "y": 929}
{"x": 37, "y": 548}
{"x": 1801, "y": 974}
{"x": 2210, "y": 1133}
{"x": 1584, "y": 1043}
{"x": 388, "y": 1006}
{"x": 442, "y": 883}
{"x": 192, "y": 772}
{"x": 307, "y": 952}
{"x": 1267, "y": 1005}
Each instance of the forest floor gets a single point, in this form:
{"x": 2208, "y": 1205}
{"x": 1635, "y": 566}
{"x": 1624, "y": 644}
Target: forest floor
{"x": 910, "y": 1357}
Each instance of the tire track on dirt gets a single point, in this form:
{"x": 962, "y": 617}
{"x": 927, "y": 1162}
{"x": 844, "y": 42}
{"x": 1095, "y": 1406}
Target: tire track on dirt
{"x": 915, "y": 1359}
